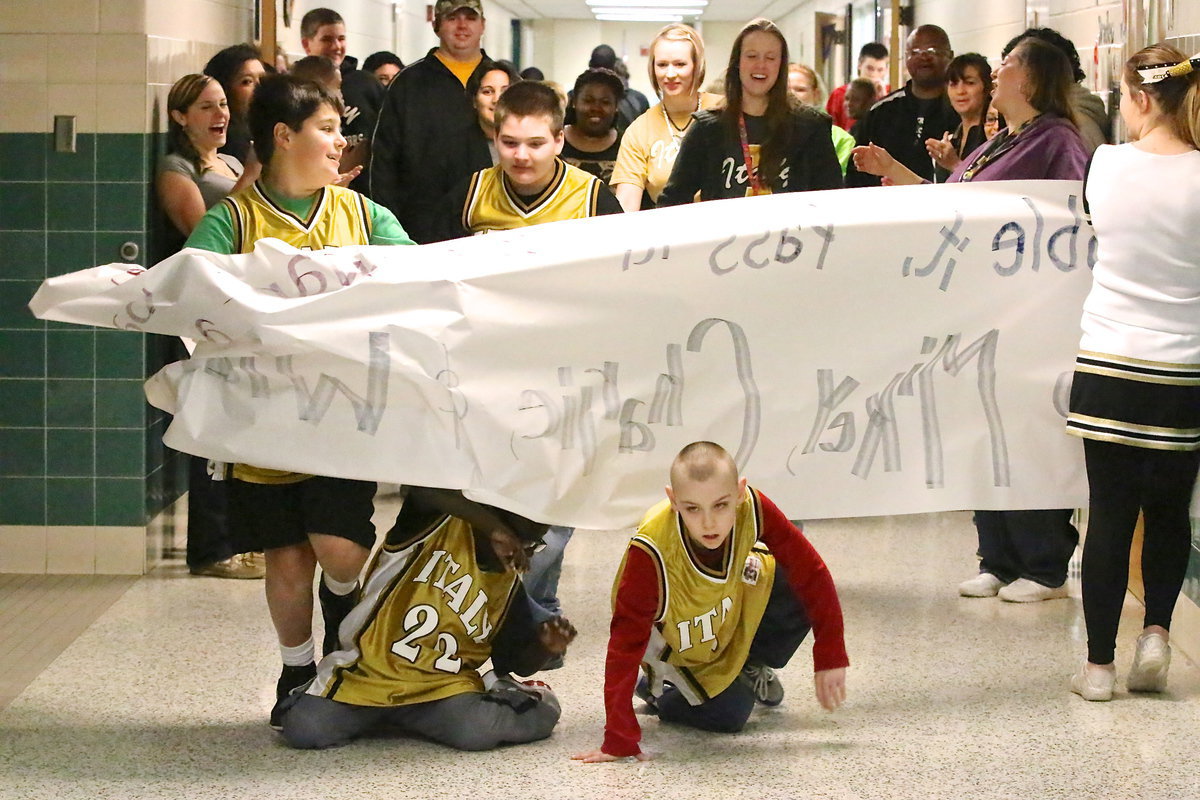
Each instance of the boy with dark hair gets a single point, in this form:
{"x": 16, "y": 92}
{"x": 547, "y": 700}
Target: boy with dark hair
{"x": 323, "y": 33}
{"x": 716, "y": 591}
{"x": 860, "y": 96}
{"x": 442, "y": 596}
{"x": 319, "y": 69}
{"x": 873, "y": 66}
{"x": 384, "y": 65}
{"x": 531, "y": 184}
{"x": 299, "y": 520}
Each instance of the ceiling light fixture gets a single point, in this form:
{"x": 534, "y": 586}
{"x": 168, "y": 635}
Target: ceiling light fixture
{"x": 635, "y": 4}
{"x": 654, "y": 12}
{"x": 633, "y": 16}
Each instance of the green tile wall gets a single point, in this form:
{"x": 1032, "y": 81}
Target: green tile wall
{"x": 78, "y": 444}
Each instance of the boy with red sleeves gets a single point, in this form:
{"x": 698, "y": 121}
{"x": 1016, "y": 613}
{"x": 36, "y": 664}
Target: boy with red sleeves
{"x": 716, "y": 592}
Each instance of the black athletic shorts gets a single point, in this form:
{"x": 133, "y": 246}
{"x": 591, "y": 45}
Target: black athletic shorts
{"x": 263, "y": 516}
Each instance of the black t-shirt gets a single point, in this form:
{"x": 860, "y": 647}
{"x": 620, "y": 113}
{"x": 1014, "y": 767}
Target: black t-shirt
{"x": 599, "y": 163}
{"x": 711, "y": 160}
{"x": 362, "y": 96}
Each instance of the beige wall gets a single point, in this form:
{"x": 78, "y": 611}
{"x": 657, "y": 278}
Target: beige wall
{"x": 104, "y": 61}
{"x": 561, "y": 48}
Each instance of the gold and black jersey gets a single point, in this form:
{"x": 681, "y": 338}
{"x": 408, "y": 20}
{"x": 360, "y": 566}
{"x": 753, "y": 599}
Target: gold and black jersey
{"x": 339, "y": 217}
{"x": 707, "y": 616}
{"x": 492, "y": 205}
{"x": 424, "y": 624}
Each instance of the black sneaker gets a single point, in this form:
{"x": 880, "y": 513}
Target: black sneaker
{"x": 765, "y": 683}
{"x": 642, "y": 690}
{"x": 290, "y": 679}
{"x": 334, "y": 609}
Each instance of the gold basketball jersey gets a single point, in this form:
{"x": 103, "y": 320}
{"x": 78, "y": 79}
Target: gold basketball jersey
{"x": 492, "y": 205}
{"x": 339, "y": 217}
{"x": 424, "y": 624}
{"x": 707, "y": 617}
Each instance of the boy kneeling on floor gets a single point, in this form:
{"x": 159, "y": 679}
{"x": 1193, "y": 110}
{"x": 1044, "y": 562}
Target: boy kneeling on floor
{"x": 442, "y": 595}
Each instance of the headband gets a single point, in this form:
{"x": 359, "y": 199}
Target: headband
{"x": 1160, "y": 72}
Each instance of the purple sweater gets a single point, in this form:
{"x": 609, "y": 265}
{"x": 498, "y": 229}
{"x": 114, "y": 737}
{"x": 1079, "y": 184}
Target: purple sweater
{"x": 1049, "y": 149}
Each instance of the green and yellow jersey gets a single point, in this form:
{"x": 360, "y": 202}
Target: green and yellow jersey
{"x": 332, "y": 217}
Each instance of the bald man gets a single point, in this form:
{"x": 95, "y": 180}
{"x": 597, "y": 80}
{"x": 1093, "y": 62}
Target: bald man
{"x": 902, "y": 121}
{"x": 716, "y": 592}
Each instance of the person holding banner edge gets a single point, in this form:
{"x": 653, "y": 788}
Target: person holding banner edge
{"x": 1135, "y": 397}
{"x": 1023, "y": 553}
{"x": 530, "y": 185}
{"x": 299, "y": 520}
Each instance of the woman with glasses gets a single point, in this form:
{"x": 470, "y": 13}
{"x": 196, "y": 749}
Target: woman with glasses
{"x": 1023, "y": 554}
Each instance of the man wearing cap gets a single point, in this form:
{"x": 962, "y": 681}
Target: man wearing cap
{"x": 417, "y": 154}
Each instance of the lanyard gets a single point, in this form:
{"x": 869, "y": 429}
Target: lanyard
{"x": 1000, "y": 144}
{"x": 756, "y": 184}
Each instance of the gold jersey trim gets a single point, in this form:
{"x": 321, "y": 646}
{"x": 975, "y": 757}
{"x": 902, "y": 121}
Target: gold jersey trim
{"x": 338, "y": 217}
{"x": 493, "y": 204}
{"x": 424, "y": 624}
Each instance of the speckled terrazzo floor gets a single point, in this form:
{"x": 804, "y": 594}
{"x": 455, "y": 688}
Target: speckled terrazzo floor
{"x": 166, "y": 695}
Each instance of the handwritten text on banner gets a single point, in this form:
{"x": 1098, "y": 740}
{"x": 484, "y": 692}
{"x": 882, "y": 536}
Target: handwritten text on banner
{"x": 862, "y": 352}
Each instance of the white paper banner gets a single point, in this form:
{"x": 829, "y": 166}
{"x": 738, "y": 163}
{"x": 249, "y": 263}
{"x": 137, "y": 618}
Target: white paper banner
{"x": 862, "y": 352}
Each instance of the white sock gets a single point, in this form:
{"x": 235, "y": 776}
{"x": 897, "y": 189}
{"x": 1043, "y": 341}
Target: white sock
{"x": 299, "y": 655}
{"x": 338, "y": 587}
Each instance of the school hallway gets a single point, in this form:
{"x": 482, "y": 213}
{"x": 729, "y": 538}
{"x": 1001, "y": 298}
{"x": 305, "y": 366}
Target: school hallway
{"x": 166, "y": 695}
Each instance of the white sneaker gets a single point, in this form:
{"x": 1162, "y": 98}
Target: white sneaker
{"x": 1026, "y": 591}
{"x": 1150, "y": 663}
{"x": 1094, "y": 685}
{"x": 985, "y": 584}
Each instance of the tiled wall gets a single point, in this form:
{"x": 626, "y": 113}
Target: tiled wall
{"x": 80, "y": 467}
{"x": 84, "y": 476}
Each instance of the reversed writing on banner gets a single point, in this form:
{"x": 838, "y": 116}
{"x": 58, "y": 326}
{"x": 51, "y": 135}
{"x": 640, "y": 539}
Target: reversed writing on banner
{"x": 861, "y": 352}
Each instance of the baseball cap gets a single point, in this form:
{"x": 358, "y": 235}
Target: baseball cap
{"x": 445, "y": 7}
